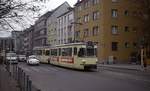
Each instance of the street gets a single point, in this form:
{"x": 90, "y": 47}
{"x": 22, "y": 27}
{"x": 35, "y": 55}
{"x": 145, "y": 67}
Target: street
{"x": 51, "y": 78}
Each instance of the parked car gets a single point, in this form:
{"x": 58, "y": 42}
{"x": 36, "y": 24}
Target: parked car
{"x": 33, "y": 60}
{"x": 22, "y": 58}
{"x": 11, "y": 57}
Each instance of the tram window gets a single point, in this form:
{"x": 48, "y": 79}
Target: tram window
{"x": 75, "y": 51}
{"x": 64, "y": 52}
{"x": 95, "y": 50}
{"x": 54, "y": 52}
{"x": 59, "y": 51}
{"x": 67, "y": 52}
{"x": 90, "y": 51}
{"x": 47, "y": 53}
{"x": 81, "y": 52}
{"x": 39, "y": 52}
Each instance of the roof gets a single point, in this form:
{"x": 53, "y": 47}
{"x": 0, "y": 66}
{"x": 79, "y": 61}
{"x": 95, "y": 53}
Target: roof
{"x": 60, "y": 6}
{"x": 78, "y": 2}
{"x": 69, "y": 10}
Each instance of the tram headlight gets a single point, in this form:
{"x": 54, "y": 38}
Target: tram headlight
{"x": 96, "y": 61}
{"x": 83, "y": 61}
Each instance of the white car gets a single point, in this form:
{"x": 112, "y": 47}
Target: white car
{"x": 11, "y": 57}
{"x": 33, "y": 60}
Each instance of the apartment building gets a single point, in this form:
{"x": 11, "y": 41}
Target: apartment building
{"x": 28, "y": 40}
{"x": 6, "y": 44}
{"x": 65, "y": 27}
{"x": 52, "y": 23}
{"x": 18, "y": 41}
{"x": 40, "y": 30}
{"x": 114, "y": 24}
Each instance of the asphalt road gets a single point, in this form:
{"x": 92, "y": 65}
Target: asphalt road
{"x": 52, "y": 78}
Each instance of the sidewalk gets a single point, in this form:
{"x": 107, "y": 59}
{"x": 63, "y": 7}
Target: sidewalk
{"x": 7, "y": 83}
{"x": 126, "y": 67}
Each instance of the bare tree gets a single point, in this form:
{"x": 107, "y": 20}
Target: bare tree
{"x": 19, "y": 12}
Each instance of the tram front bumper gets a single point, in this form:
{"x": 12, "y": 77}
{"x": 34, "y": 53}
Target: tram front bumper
{"x": 90, "y": 66}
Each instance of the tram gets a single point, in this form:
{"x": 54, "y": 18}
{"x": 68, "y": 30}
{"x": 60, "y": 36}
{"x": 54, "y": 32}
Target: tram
{"x": 73, "y": 55}
{"x": 42, "y": 53}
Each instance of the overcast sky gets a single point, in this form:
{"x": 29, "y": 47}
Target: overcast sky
{"x": 55, "y": 3}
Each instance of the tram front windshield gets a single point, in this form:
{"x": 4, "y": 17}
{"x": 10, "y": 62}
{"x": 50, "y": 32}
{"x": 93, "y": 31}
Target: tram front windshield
{"x": 86, "y": 52}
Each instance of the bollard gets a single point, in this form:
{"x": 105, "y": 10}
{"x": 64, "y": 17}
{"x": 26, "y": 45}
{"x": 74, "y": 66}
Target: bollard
{"x": 30, "y": 85}
{"x": 24, "y": 81}
{"x": 27, "y": 83}
{"x": 19, "y": 71}
{"x": 21, "y": 78}
{"x": 15, "y": 72}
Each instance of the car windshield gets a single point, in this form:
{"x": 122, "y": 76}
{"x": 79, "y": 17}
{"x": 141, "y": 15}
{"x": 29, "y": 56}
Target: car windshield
{"x": 33, "y": 56}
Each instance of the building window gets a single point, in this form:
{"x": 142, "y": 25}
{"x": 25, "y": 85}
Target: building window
{"x": 95, "y": 31}
{"x": 127, "y": 44}
{"x": 95, "y": 15}
{"x": 134, "y": 44}
{"x": 79, "y": 19}
{"x": 86, "y": 4}
{"x": 126, "y": 29}
{"x": 70, "y": 17}
{"x": 79, "y": 8}
{"x": 114, "y": 13}
{"x": 114, "y": 46}
{"x": 114, "y": 29}
{"x": 126, "y": 12}
{"x": 86, "y": 33}
{"x": 86, "y": 18}
{"x": 77, "y": 34}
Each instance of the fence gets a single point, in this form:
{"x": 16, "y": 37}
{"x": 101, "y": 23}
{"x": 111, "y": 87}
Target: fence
{"x": 23, "y": 80}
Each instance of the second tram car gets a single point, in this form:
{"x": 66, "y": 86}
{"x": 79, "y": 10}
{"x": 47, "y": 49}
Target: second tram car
{"x": 42, "y": 53}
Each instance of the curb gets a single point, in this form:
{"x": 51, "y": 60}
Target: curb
{"x": 123, "y": 68}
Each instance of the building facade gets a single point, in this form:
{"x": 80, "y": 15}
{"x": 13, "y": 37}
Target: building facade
{"x": 65, "y": 27}
{"x": 28, "y": 40}
{"x": 18, "y": 41}
{"x": 6, "y": 44}
{"x": 113, "y": 24}
{"x": 52, "y": 23}
{"x": 40, "y": 31}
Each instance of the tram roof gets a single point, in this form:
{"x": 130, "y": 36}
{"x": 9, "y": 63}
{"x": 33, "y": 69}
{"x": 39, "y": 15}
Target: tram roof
{"x": 70, "y": 44}
{"x": 62, "y": 45}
